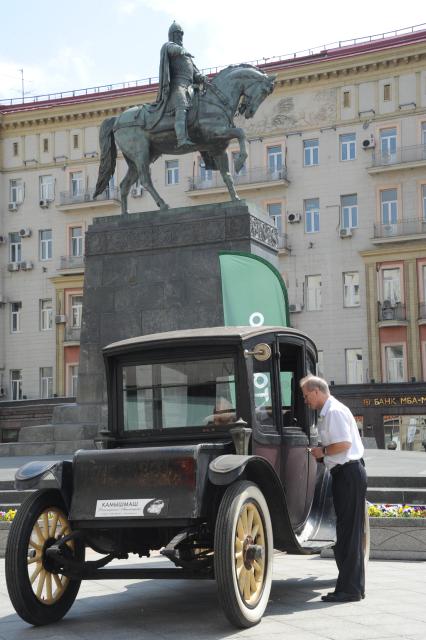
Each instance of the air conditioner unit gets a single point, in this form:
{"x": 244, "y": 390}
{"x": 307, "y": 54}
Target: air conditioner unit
{"x": 345, "y": 232}
{"x": 295, "y": 308}
{"x": 13, "y": 266}
{"x": 27, "y": 265}
{"x": 25, "y": 233}
{"x": 44, "y": 204}
{"x": 137, "y": 192}
{"x": 3, "y": 239}
{"x": 369, "y": 143}
{"x": 294, "y": 217}
{"x": 13, "y": 206}
{"x": 61, "y": 319}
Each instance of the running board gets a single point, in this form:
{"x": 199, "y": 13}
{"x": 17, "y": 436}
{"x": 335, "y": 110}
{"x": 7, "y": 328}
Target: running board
{"x": 123, "y": 573}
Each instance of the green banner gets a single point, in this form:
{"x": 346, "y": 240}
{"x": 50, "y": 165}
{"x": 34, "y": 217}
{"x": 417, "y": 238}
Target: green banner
{"x": 253, "y": 291}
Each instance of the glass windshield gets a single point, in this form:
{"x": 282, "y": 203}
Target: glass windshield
{"x": 188, "y": 393}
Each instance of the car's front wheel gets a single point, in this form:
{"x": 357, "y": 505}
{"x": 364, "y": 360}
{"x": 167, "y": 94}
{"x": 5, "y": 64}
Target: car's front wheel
{"x": 39, "y": 594}
{"x": 243, "y": 554}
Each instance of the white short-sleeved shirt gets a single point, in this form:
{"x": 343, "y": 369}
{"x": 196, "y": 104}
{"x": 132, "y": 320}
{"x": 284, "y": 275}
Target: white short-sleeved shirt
{"x": 337, "y": 424}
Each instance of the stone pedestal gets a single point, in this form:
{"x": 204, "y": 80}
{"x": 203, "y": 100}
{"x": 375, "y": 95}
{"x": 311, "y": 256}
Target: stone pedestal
{"x": 152, "y": 272}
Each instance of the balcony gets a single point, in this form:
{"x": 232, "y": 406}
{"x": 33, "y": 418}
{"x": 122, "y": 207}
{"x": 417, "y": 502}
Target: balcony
{"x": 283, "y": 244}
{"x": 71, "y": 263}
{"x": 400, "y": 231}
{"x": 422, "y": 312}
{"x": 402, "y": 158}
{"x": 391, "y": 313}
{"x": 69, "y": 201}
{"x": 72, "y": 334}
{"x": 250, "y": 179}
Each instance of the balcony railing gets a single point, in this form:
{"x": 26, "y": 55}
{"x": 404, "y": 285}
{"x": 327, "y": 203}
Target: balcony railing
{"x": 415, "y": 153}
{"x": 72, "y": 334}
{"x": 283, "y": 241}
{"x": 68, "y": 197}
{"x": 71, "y": 262}
{"x": 391, "y": 311}
{"x": 411, "y": 227}
{"x": 250, "y": 176}
{"x": 422, "y": 311}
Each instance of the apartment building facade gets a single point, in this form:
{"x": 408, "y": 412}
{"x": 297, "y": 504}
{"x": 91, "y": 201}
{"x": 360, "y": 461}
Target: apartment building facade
{"x": 337, "y": 158}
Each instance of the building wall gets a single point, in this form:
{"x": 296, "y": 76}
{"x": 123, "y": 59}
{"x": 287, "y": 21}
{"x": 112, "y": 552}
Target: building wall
{"x": 359, "y": 90}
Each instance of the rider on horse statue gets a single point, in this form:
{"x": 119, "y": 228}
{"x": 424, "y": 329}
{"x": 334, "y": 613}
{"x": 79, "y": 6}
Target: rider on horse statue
{"x": 178, "y": 75}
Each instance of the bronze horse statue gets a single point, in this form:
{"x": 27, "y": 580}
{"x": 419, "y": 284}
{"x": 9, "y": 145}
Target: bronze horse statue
{"x": 143, "y": 138}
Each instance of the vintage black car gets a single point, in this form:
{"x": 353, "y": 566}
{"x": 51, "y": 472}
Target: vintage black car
{"x": 206, "y": 458}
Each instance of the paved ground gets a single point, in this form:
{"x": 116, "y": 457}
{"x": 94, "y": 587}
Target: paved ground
{"x": 379, "y": 463}
{"x": 182, "y": 610}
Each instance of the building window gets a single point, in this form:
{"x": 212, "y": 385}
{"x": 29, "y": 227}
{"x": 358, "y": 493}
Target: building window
{"x": 15, "y": 147}
{"x": 275, "y": 212}
{"x": 275, "y": 160}
{"x": 15, "y": 317}
{"x": 172, "y": 171}
{"x": 76, "y": 239}
{"x": 313, "y": 293}
{"x": 206, "y": 175}
{"x": 424, "y": 133}
{"x": 16, "y": 191}
{"x": 387, "y": 93}
{"x": 46, "y": 315}
{"x": 46, "y": 244}
{"x": 394, "y": 363}
{"x": 76, "y": 183}
{"x": 354, "y": 374}
{"x": 75, "y": 141}
{"x": 391, "y": 283}
{"x": 46, "y": 382}
{"x": 349, "y": 205}
{"x": 389, "y": 206}
{"x": 16, "y": 384}
{"x": 47, "y": 188}
{"x": 388, "y": 144}
{"x": 15, "y": 254}
{"x": 45, "y": 145}
{"x": 73, "y": 380}
{"x": 310, "y": 152}
{"x": 346, "y": 99}
{"x": 243, "y": 170}
{"x": 76, "y": 311}
{"x": 312, "y": 215}
{"x": 347, "y": 146}
{"x": 351, "y": 296}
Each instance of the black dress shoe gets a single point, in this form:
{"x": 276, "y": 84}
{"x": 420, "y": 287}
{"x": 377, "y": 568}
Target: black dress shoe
{"x": 331, "y": 593}
{"x": 341, "y": 596}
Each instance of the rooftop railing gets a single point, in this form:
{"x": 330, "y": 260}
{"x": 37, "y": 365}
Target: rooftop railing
{"x": 321, "y": 49}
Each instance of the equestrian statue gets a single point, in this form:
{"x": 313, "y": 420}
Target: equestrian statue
{"x": 192, "y": 113}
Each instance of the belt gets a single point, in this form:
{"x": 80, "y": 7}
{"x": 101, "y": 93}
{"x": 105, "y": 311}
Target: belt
{"x": 338, "y": 467}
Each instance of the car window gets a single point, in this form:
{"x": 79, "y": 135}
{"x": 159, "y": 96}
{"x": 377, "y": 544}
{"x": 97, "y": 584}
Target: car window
{"x": 187, "y": 393}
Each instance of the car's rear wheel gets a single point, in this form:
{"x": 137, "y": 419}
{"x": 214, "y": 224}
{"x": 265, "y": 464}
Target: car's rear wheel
{"x": 243, "y": 554}
{"x": 39, "y": 594}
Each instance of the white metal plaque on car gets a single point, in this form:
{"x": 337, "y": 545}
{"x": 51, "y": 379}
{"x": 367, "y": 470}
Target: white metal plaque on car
{"x": 128, "y": 507}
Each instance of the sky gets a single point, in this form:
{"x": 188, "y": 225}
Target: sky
{"x": 61, "y": 46}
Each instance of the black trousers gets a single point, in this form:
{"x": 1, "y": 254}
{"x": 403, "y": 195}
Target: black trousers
{"x": 349, "y": 491}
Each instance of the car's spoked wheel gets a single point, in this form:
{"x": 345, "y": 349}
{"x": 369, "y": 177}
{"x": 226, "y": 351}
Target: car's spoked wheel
{"x": 38, "y": 592}
{"x": 243, "y": 554}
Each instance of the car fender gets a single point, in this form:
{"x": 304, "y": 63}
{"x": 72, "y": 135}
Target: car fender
{"x": 226, "y": 469}
{"x": 39, "y": 474}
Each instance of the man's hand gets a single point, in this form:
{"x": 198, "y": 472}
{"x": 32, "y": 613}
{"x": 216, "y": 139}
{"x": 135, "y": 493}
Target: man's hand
{"x": 317, "y": 452}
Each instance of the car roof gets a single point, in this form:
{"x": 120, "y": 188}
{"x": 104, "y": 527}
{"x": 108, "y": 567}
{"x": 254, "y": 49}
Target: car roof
{"x": 229, "y": 334}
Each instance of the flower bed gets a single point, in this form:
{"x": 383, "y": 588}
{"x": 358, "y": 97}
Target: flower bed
{"x": 396, "y": 511}
{"x": 7, "y": 516}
